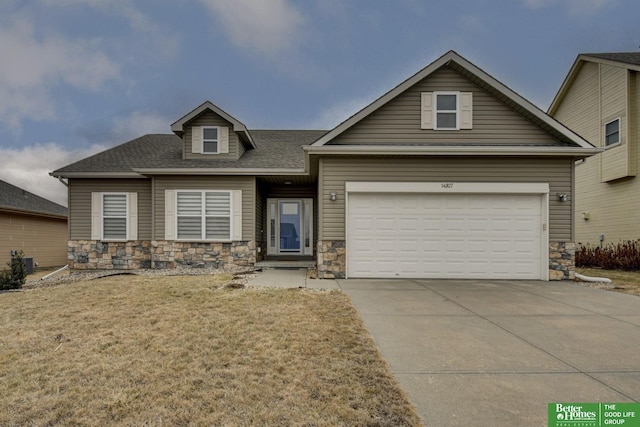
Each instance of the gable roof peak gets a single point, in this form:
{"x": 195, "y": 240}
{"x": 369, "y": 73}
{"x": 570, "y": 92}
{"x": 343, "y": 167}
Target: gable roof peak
{"x": 470, "y": 71}
{"x": 178, "y": 126}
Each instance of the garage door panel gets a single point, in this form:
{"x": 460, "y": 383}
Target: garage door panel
{"x": 444, "y": 235}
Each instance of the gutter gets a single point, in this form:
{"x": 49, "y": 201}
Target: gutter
{"x": 390, "y": 150}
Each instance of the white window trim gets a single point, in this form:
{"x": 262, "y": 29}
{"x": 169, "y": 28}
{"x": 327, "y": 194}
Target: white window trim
{"x": 604, "y": 133}
{"x": 436, "y": 111}
{"x": 204, "y": 140}
{"x": 203, "y": 216}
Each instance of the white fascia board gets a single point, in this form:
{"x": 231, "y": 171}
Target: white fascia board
{"x": 450, "y": 150}
{"x": 211, "y": 171}
{"x": 448, "y": 187}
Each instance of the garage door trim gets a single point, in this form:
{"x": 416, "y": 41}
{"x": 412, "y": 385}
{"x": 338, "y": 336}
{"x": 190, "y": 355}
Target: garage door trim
{"x": 541, "y": 189}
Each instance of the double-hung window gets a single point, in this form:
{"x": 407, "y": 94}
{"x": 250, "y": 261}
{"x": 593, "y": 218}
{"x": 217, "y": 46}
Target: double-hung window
{"x": 210, "y": 140}
{"x": 203, "y": 215}
{"x": 446, "y": 112}
{"x": 612, "y": 132}
{"x": 114, "y": 216}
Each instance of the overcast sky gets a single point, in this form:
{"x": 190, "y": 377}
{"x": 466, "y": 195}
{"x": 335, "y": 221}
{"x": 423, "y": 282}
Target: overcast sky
{"x": 79, "y": 76}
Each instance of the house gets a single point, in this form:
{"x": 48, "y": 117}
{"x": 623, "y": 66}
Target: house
{"x": 600, "y": 100}
{"x": 448, "y": 175}
{"x": 31, "y": 224}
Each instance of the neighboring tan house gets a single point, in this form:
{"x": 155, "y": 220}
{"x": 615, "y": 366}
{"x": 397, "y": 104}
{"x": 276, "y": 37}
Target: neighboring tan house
{"x": 31, "y": 224}
{"x": 449, "y": 175}
{"x": 600, "y": 100}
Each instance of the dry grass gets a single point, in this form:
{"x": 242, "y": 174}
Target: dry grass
{"x": 144, "y": 350}
{"x": 627, "y": 282}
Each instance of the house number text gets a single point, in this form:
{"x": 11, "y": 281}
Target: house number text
{"x": 447, "y": 185}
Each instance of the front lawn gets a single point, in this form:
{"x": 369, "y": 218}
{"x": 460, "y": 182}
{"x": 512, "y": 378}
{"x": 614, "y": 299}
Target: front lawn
{"x": 166, "y": 350}
{"x": 627, "y": 282}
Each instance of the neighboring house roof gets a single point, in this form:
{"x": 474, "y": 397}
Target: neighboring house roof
{"x": 238, "y": 126}
{"x": 484, "y": 81}
{"x": 275, "y": 150}
{"x": 629, "y": 60}
{"x": 16, "y": 199}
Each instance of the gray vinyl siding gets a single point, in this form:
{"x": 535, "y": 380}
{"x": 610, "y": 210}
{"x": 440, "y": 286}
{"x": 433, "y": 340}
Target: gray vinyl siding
{"x": 209, "y": 118}
{"x": 80, "y": 204}
{"x": 244, "y": 183}
{"x": 335, "y": 171}
{"x": 398, "y": 121}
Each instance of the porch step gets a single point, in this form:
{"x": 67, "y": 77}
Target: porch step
{"x": 285, "y": 264}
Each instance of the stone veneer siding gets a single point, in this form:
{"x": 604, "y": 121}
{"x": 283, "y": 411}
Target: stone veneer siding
{"x": 562, "y": 260}
{"x": 331, "y": 257}
{"x": 133, "y": 255}
{"x": 331, "y": 260}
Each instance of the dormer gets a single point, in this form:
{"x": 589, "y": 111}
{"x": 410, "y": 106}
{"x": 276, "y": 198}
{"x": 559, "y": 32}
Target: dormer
{"x": 208, "y": 132}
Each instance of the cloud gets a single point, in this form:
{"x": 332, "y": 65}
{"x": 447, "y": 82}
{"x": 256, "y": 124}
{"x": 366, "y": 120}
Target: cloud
{"x": 336, "y": 114}
{"x": 29, "y": 167}
{"x": 139, "y": 123}
{"x": 33, "y": 66}
{"x": 574, "y": 6}
{"x": 269, "y": 27}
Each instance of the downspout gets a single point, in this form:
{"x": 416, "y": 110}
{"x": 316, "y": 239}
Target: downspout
{"x": 66, "y": 184}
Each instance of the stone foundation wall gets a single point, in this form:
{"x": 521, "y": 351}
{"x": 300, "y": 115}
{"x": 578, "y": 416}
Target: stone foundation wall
{"x": 562, "y": 260}
{"x": 97, "y": 255}
{"x": 331, "y": 260}
{"x": 331, "y": 257}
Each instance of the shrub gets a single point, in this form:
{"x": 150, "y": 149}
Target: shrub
{"x": 621, "y": 256}
{"x": 15, "y": 277}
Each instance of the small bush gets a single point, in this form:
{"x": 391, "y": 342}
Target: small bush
{"x": 15, "y": 277}
{"x": 621, "y": 256}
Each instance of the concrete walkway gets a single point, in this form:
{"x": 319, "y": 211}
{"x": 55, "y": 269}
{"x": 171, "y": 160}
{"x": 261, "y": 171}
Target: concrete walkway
{"x": 496, "y": 353}
{"x": 290, "y": 278}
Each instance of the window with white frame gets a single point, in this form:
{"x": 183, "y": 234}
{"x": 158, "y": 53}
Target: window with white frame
{"x": 203, "y": 215}
{"x": 446, "y": 111}
{"x": 114, "y": 216}
{"x": 210, "y": 140}
{"x": 612, "y": 132}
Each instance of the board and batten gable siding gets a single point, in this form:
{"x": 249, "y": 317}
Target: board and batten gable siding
{"x": 244, "y": 183}
{"x": 43, "y": 238}
{"x": 80, "y": 203}
{"x": 209, "y": 118}
{"x": 612, "y": 205}
{"x": 398, "y": 121}
{"x": 335, "y": 171}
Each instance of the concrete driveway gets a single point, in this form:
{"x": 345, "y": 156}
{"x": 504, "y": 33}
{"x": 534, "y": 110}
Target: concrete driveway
{"x": 495, "y": 353}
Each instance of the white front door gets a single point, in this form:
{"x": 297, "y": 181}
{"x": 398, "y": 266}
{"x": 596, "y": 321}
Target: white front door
{"x": 290, "y": 227}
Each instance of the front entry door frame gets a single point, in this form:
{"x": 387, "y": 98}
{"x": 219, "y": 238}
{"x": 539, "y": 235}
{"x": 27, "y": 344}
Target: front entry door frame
{"x": 276, "y": 241}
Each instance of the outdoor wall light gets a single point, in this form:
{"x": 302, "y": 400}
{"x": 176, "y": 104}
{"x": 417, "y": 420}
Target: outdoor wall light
{"x": 562, "y": 197}
{"x": 333, "y": 196}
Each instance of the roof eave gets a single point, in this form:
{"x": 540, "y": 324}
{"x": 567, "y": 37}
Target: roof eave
{"x": 577, "y": 152}
{"x": 58, "y": 174}
{"x": 8, "y": 209}
{"x": 219, "y": 171}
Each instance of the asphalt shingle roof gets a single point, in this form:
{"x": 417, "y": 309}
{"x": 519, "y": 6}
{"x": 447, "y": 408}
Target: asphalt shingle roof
{"x": 624, "y": 57}
{"x": 275, "y": 149}
{"x": 12, "y": 197}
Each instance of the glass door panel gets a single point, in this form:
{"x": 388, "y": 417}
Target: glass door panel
{"x": 290, "y": 226}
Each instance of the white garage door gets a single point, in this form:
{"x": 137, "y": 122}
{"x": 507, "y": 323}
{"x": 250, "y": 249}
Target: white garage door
{"x": 445, "y": 236}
